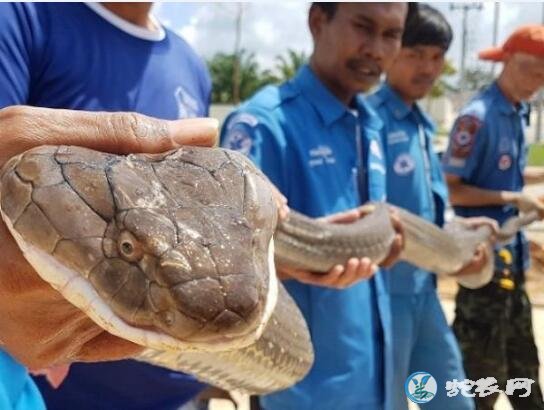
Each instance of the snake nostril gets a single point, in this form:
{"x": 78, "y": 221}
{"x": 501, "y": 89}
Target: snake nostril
{"x": 167, "y": 317}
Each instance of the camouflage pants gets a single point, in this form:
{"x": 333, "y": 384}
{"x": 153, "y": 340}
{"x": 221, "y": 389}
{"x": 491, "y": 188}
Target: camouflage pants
{"x": 495, "y": 333}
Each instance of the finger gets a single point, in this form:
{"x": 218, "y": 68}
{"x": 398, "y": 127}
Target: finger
{"x": 283, "y": 274}
{"x": 343, "y": 217}
{"x": 495, "y": 226}
{"x": 350, "y": 274}
{"x": 398, "y": 227}
{"x": 194, "y": 131}
{"x": 331, "y": 277}
{"x": 366, "y": 209}
{"x": 366, "y": 269}
{"x": 479, "y": 258}
{"x": 109, "y": 132}
{"x": 320, "y": 279}
{"x": 286, "y": 272}
{"x": 394, "y": 253}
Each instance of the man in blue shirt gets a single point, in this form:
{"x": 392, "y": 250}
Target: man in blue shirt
{"x": 318, "y": 141}
{"x": 422, "y": 339}
{"x": 113, "y": 57}
{"x": 486, "y": 172}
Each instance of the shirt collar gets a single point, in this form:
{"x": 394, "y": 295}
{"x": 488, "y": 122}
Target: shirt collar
{"x": 132, "y": 29}
{"x": 400, "y": 109}
{"x": 504, "y": 105}
{"x": 329, "y": 107}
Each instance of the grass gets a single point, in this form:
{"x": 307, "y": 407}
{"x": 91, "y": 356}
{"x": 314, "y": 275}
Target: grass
{"x": 536, "y": 155}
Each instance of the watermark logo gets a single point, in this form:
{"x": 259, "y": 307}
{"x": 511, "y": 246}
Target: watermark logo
{"x": 488, "y": 385}
{"x": 420, "y": 387}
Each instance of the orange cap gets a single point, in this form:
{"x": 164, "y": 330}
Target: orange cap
{"x": 526, "y": 39}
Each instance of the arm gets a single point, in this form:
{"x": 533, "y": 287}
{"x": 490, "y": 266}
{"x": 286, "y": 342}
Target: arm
{"x": 37, "y": 325}
{"x": 466, "y": 152}
{"x": 533, "y": 175}
{"x": 462, "y": 194}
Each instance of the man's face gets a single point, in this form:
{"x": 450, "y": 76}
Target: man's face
{"x": 415, "y": 70}
{"x": 527, "y": 75}
{"x": 357, "y": 44}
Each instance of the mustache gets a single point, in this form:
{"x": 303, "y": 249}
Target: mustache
{"x": 360, "y": 64}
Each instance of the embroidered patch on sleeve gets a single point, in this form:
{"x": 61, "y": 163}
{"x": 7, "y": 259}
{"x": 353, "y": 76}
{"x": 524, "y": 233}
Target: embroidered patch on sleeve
{"x": 238, "y": 140}
{"x": 242, "y": 118}
{"x": 463, "y": 136}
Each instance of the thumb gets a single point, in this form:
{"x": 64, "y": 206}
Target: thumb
{"x": 22, "y": 128}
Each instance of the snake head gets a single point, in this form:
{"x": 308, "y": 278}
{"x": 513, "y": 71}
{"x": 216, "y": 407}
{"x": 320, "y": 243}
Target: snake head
{"x": 164, "y": 250}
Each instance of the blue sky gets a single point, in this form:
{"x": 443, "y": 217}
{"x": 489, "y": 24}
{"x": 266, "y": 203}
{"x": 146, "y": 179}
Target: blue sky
{"x": 269, "y": 28}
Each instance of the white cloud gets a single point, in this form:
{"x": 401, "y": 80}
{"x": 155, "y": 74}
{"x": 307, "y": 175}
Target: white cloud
{"x": 269, "y": 29}
{"x": 480, "y": 25}
{"x": 265, "y": 31}
{"x": 189, "y": 31}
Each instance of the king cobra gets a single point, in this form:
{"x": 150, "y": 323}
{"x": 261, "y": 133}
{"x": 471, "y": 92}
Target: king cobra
{"x": 175, "y": 252}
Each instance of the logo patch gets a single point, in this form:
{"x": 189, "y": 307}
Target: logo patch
{"x": 505, "y": 162}
{"x": 464, "y": 135}
{"x": 243, "y": 118}
{"x": 238, "y": 140}
{"x": 187, "y": 105}
{"x": 404, "y": 164}
{"x": 420, "y": 387}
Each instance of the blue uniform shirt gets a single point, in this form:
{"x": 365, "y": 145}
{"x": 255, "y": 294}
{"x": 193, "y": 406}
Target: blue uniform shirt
{"x": 17, "y": 391}
{"x": 414, "y": 176}
{"x": 325, "y": 159}
{"x": 487, "y": 149}
{"x": 67, "y": 56}
{"x": 70, "y": 56}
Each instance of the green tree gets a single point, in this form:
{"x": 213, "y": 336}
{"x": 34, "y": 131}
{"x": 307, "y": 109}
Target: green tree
{"x": 287, "y": 65}
{"x": 441, "y": 85}
{"x": 476, "y": 77}
{"x": 221, "y": 67}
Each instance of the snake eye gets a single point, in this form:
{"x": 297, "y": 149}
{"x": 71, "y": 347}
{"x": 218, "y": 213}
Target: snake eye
{"x": 129, "y": 247}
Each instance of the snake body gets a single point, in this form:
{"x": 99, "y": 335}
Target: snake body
{"x": 315, "y": 245}
{"x": 175, "y": 252}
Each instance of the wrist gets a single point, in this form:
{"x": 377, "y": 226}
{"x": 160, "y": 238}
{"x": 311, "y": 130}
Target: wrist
{"x": 510, "y": 197}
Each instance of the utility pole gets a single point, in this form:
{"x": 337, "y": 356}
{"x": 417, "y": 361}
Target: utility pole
{"x": 465, "y": 8}
{"x": 237, "y": 54}
{"x": 496, "y": 16}
{"x": 539, "y": 103}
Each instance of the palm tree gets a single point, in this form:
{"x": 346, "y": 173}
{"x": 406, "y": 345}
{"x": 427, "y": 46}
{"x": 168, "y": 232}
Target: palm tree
{"x": 251, "y": 77}
{"x": 441, "y": 85}
{"x": 288, "y": 65}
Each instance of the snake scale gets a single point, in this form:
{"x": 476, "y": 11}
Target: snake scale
{"x": 175, "y": 252}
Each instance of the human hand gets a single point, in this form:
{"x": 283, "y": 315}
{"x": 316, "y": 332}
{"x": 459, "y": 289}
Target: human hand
{"x": 339, "y": 276}
{"x": 477, "y": 263}
{"x": 37, "y": 325}
{"x": 527, "y": 203}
